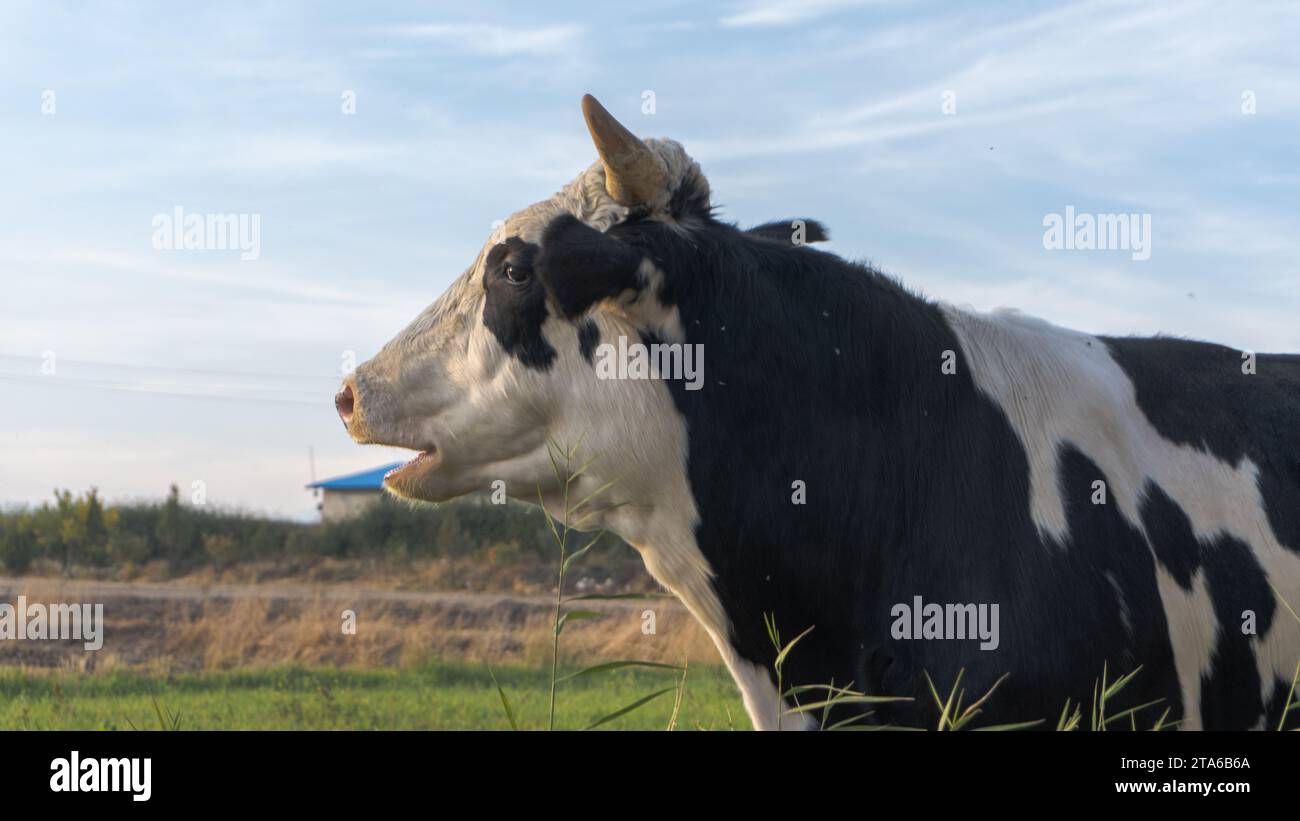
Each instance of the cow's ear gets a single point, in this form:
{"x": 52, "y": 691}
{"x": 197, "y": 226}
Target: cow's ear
{"x": 580, "y": 266}
{"x": 795, "y": 232}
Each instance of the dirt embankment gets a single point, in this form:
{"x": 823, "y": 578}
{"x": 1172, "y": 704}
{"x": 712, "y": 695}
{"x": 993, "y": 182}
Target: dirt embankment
{"x": 191, "y": 624}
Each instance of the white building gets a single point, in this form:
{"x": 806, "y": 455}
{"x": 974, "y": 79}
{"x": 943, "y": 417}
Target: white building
{"x": 345, "y": 496}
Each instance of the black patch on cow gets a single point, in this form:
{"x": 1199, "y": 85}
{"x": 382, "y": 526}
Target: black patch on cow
{"x": 829, "y": 373}
{"x": 580, "y": 266}
{"x": 515, "y": 311}
{"x": 588, "y": 338}
{"x": 1230, "y": 691}
{"x": 1135, "y": 632}
{"x": 1197, "y": 394}
{"x": 1170, "y": 534}
{"x": 784, "y": 231}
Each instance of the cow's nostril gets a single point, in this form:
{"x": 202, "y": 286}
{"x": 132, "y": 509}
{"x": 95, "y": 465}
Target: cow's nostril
{"x": 343, "y": 402}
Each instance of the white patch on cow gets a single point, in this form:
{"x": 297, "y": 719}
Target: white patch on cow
{"x": 650, "y": 312}
{"x": 767, "y": 710}
{"x": 639, "y": 441}
{"x": 1056, "y": 386}
{"x": 1192, "y": 634}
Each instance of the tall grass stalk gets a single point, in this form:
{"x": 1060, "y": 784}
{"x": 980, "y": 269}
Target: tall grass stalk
{"x": 572, "y": 515}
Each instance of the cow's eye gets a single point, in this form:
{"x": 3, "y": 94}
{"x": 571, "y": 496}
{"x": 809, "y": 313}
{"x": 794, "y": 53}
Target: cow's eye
{"x": 516, "y": 276}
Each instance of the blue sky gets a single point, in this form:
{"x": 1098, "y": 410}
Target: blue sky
{"x": 177, "y": 366}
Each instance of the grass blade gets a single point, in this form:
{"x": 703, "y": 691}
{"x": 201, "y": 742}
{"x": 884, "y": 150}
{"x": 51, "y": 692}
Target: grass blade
{"x": 505, "y": 702}
{"x": 830, "y": 702}
{"x": 998, "y": 728}
{"x": 575, "y": 615}
{"x": 785, "y": 651}
{"x": 1290, "y": 703}
{"x": 577, "y": 554}
{"x": 629, "y": 708}
{"x": 618, "y": 665}
{"x": 618, "y": 596}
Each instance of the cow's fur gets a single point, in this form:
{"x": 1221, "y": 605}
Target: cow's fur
{"x": 968, "y": 485}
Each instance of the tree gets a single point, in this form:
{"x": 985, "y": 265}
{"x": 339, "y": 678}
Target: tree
{"x": 94, "y": 528}
{"x": 69, "y": 528}
{"x": 18, "y": 544}
{"x": 175, "y": 532}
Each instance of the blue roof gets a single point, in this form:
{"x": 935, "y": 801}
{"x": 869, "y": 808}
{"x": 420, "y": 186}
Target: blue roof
{"x": 372, "y": 479}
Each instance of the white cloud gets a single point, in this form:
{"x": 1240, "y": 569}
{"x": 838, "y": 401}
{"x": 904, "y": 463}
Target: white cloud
{"x": 785, "y": 12}
{"x": 281, "y": 152}
{"x": 1078, "y": 72}
{"x": 494, "y": 40}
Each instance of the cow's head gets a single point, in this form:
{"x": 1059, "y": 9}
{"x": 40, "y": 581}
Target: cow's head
{"x": 501, "y": 363}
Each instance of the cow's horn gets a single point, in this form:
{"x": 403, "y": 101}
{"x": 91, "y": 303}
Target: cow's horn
{"x": 634, "y": 174}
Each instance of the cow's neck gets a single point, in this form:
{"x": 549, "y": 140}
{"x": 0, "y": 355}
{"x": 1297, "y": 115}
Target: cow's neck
{"x": 816, "y": 399}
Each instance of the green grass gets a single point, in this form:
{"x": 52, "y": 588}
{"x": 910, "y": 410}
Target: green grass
{"x": 436, "y": 696}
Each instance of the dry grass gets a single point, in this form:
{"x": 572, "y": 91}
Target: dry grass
{"x": 186, "y": 628}
{"x": 485, "y": 573}
{"x": 251, "y": 632}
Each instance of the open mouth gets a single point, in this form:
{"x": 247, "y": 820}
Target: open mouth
{"x": 424, "y": 461}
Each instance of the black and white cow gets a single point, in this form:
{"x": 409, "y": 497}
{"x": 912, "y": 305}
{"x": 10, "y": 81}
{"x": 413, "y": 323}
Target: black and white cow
{"x": 937, "y": 453}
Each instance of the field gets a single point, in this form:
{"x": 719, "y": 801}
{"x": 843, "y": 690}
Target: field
{"x": 431, "y": 696}
{"x": 198, "y": 653}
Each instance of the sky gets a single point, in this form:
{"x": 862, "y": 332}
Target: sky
{"x": 375, "y": 144}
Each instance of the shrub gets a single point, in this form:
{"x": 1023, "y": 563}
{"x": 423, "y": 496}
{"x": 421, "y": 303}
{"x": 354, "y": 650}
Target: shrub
{"x": 81, "y": 530}
{"x": 18, "y": 545}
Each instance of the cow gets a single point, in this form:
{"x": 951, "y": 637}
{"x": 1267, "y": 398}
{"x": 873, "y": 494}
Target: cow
{"x": 851, "y": 450}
